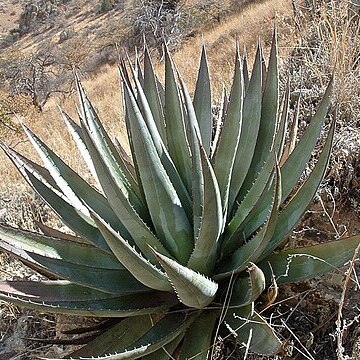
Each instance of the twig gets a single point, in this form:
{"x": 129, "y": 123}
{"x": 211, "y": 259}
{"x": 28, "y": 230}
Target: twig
{"x": 306, "y": 353}
{"x": 340, "y": 325}
{"x": 224, "y": 310}
{"x": 328, "y": 216}
{"x": 248, "y": 344}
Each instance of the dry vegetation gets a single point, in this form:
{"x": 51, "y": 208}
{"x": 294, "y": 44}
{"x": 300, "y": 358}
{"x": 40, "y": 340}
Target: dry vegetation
{"x": 316, "y": 39}
{"x": 103, "y": 87}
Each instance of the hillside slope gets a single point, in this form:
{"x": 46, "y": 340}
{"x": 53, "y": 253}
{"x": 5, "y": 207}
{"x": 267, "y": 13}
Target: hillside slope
{"x": 9, "y": 16}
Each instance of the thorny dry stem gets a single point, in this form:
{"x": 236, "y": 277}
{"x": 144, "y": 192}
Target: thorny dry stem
{"x": 224, "y": 310}
{"x": 342, "y": 325}
{"x": 305, "y": 351}
{"x": 328, "y": 215}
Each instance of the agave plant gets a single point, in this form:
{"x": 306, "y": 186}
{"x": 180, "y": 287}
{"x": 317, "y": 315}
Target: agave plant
{"x": 180, "y": 238}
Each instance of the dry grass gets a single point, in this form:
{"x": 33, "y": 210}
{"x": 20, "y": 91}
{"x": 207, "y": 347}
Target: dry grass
{"x": 246, "y": 28}
{"x": 103, "y": 88}
{"x": 328, "y": 43}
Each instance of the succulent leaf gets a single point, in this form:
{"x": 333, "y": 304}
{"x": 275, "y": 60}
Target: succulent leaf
{"x": 307, "y": 262}
{"x": 248, "y": 207}
{"x": 107, "y": 151}
{"x": 249, "y": 129}
{"x": 142, "y": 106}
{"x": 117, "y": 338}
{"x": 197, "y": 347}
{"x": 151, "y": 90}
{"x": 294, "y": 209}
{"x": 193, "y": 289}
{"x": 137, "y": 65}
{"x": 51, "y": 232}
{"x": 246, "y": 70}
{"x": 21, "y": 161}
{"x": 247, "y": 287}
{"x": 165, "y": 353}
{"x": 167, "y": 212}
{"x": 161, "y": 333}
{"x": 76, "y": 189}
{"x": 58, "y": 248}
{"x": 269, "y": 109}
{"x": 139, "y": 267}
{"x": 224, "y": 156}
{"x": 126, "y": 159}
{"x": 67, "y": 298}
{"x": 113, "y": 281}
{"x": 24, "y": 257}
{"x": 282, "y": 123}
{"x": 76, "y": 133}
{"x": 202, "y": 102}
{"x": 79, "y": 223}
{"x": 140, "y": 232}
{"x": 197, "y": 175}
{"x": 49, "y": 159}
{"x": 78, "y": 263}
{"x": 295, "y": 164}
{"x": 205, "y": 251}
{"x": 178, "y": 144}
{"x": 253, "y": 249}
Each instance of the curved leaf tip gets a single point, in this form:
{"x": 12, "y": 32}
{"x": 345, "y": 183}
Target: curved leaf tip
{"x": 193, "y": 289}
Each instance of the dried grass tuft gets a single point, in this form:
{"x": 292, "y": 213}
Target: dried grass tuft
{"x": 328, "y": 44}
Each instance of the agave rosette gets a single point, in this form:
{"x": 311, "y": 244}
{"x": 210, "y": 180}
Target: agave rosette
{"x": 179, "y": 238}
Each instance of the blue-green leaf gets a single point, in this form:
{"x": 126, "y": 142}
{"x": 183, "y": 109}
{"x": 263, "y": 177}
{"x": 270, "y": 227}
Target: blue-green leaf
{"x": 56, "y": 248}
{"x": 166, "y": 210}
{"x": 297, "y": 205}
{"x": 310, "y": 261}
{"x": 296, "y": 162}
{"x": 198, "y": 338}
{"x": 76, "y": 221}
{"x": 248, "y": 211}
{"x": 147, "y": 116}
{"x": 75, "y": 188}
{"x": 76, "y": 133}
{"x": 166, "y": 352}
{"x": 253, "y": 248}
{"x": 146, "y": 341}
{"x": 202, "y": 102}
{"x": 93, "y": 128}
{"x": 204, "y": 254}
{"x": 178, "y": 144}
{"x": 139, "y": 267}
{"x": 282, "y": 123}
{"x": 267, "y": 128}
{"x": 151, "y": 89}
{"x": 66, "y": 298}
{"x": 249, "y": 130}
{"x": 193, "y": 289}
{"x": 248, "y": 286}
{"x": 229, "y": 137}
{"x": 139, "y": 231}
